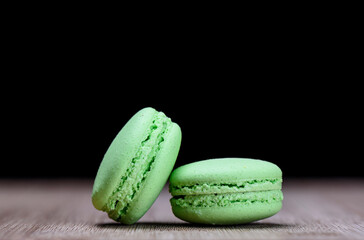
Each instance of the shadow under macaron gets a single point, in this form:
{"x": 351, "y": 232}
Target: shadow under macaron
{"x": 166, "y": 226}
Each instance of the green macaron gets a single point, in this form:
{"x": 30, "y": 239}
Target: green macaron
{"x": 226, "y": 191}
{"x": 136, "y": 166}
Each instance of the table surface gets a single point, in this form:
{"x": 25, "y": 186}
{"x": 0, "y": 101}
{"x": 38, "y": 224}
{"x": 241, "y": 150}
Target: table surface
{"x": 62, "y": 209}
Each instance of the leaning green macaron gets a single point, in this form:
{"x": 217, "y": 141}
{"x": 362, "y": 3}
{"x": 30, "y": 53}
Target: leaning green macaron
{"x": 136, "y": 166}
{"x": 226, "y": 191}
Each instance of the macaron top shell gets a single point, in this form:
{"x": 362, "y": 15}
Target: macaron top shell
{"x": 225, "y": 175}
{"x": 225, "y": 169}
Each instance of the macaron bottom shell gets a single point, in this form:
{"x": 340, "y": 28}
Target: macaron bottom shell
{"x": 234, "y": 214}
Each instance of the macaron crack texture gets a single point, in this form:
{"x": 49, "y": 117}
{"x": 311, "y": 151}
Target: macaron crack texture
{"x": 139, "y": 167}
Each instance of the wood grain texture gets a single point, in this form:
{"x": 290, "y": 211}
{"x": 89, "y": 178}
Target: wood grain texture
{"x": 62, "y": 209}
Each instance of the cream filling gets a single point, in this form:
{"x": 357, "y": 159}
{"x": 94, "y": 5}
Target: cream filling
{"x": 225, "y": 200}
{"x": 219, "y": 188}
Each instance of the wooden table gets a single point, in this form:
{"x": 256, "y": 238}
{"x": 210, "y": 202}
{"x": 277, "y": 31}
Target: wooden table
{"x": 61, "y": 209}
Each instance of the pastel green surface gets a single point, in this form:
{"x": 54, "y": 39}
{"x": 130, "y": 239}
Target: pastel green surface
{"x": 226, "y": 191}
{"x": 136, "y": 166}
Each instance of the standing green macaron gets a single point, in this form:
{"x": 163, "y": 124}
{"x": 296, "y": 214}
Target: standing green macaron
{"x": 226, "y": 191}
{"x": 136, "y": 166}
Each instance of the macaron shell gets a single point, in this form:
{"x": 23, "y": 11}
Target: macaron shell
{"x": 224, "y": 170}
{"x": 157, "y": 177}
{"x": 227, "y": 215}
{"x": 118, "y": 155}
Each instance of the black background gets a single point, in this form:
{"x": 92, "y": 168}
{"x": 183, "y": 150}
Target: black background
{"x": 289, "y": 95}
{"x": 66, "y": 134}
